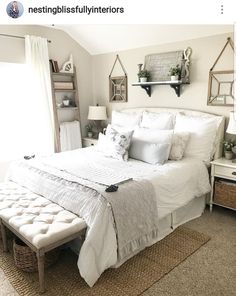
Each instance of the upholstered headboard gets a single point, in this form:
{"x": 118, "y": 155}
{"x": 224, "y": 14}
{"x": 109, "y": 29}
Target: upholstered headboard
{"x": 220, "y": 130}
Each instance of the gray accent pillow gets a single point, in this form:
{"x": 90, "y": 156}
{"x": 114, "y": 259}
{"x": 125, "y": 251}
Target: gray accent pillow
{"x": 179, "y": 143}
{"x": 153, "y": 153}
{"x": 115, "y": 144}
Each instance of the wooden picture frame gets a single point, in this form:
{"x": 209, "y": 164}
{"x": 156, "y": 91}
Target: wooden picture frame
{"x": 221, "y": 82}
{"x": 118, "y": 89}
{"x": 221, "y": 88}
{"x": 118, "y": 85}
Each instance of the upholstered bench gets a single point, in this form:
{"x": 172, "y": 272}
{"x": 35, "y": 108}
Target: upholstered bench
{"x": 38, "y": 222}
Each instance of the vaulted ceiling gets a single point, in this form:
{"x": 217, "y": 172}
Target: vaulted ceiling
{"x": 99, "y": 39}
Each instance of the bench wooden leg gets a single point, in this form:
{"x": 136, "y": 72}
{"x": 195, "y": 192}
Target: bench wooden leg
{"x": 41, "y": 257}
{"x": 4, "y": 237}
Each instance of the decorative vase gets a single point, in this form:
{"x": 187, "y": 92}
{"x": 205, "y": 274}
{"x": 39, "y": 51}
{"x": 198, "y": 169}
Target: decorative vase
{"x": 139, "y": 67}
{"x": 90, "y": 134}
{"x": 143, "y": 79}
{"x": 174, "y": 77}
{"x": 229, "y": 155}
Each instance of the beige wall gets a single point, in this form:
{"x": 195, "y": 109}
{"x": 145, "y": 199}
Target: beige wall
{"x": 193, "y": 96}
{"x": 12, "y": 50}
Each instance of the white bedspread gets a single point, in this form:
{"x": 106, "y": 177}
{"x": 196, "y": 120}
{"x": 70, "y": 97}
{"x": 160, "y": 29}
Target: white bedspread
{"x": 175, "y": 183}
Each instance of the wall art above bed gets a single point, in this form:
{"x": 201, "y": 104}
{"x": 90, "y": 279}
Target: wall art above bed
{"x": 221, "y": 79}
{"x": 168, "y": 68}
{"x": 118, "y": 84}
{"x": 159, "y": 64}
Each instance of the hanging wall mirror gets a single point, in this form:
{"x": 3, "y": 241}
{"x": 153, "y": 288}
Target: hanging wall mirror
{"x": 118, "y": 85}
{"x": 221, "y": 81}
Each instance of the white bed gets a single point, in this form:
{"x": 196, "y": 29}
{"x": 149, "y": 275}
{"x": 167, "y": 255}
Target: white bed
{"x": 179, "y": 189}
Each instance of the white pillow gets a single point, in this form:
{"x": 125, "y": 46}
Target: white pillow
{"x": 202, "y": 135}
{"x": 125, "y": 119}
{"x": 115, "y": 144}
{"x": 162, "y": 121}
{"x": 179, "y": 143}
{"x": 153, "y": 135}
{"x": 119, "y": 129}
{"x": 153, "y": 153}
{"x": 219, "y": 120}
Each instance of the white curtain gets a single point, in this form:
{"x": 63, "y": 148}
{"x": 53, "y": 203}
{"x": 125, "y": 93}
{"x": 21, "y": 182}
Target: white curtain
{"x": 41, "y": 108}
{"x": 26, "y": 117}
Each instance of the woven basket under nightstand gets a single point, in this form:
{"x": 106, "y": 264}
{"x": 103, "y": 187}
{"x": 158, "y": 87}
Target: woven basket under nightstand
{"x": 225, "y": 194}
{"x": 26, "y": 260}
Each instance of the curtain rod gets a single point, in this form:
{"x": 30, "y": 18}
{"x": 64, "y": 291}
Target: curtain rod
{"x": 19, "y": 37}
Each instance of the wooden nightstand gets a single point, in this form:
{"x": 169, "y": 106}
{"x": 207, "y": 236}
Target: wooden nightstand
{"x": 86, "y": 142}
{"x": 223, "y": 183}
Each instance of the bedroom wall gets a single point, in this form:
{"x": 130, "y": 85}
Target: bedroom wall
{"x": 12, "y": 50}
{"x": 193, "y": 96}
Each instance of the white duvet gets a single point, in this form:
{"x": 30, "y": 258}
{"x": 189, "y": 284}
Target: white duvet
{"x": 175, "y": 184}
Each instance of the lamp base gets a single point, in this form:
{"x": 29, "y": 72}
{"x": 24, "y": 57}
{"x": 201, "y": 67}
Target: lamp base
{"x": 97, "y": 128}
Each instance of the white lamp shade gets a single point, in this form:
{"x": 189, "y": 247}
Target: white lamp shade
{"x": 97, "y": 113}
{"x": 231, "y": 129}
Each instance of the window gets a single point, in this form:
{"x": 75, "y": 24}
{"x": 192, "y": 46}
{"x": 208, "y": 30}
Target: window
{"x": 21, "y": 114}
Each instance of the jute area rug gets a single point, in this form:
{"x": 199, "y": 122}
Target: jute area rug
{"x": 131, "y": 279}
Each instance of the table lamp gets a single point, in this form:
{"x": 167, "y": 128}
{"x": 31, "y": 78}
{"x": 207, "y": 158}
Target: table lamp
{"x": 97, "y": 114}
{"x": 231, "y": 129}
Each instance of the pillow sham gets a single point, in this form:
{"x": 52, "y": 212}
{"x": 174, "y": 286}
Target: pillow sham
{"x": 115, "y": 144}
{"x": 219, "y": 120}
{"x": 179, "y": 143}
{"x": 119, "y": 129}
{"x": 125, "y": 119}
{"x": 162, "y": 121}
{"x": 153, "y": 135}
{"x": 202, "y": 135}
{"x": 153, "y": 153}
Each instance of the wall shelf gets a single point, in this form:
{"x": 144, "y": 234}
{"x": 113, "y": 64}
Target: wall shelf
{"x": 64, "y": 90}
{"x": 67, "y": 108}
{"x": 62, "y": 74}
{"x": 176, "y": 85}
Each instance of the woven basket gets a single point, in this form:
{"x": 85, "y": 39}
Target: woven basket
{"x": 9, "y": 234}
{"x": 26, "y": 259}
{"x": 225, "y": 194}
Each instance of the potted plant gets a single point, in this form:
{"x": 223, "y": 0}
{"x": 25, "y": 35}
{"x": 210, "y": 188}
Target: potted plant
{"x": 175, "y": 73}
{"x": 143, "y": 75}
{"x": 228, "y": 145}
{"x": 89, "y": 130}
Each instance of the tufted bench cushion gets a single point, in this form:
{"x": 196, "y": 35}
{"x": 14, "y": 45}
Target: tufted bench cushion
{"x": 39, "y": 222}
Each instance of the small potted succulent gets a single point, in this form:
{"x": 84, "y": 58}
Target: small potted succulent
{"x": 228, "y": 145}
{"x": 89, "y": 130}
{"x": 143, "y": 75}
{"x": 174, "y": 73}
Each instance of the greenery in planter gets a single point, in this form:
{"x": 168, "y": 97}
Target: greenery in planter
{"x": 89, "y": 128}
{"x": 144, "y": 73}
{"x": 228, "y": 145}
{"x": 175, "y": 71}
